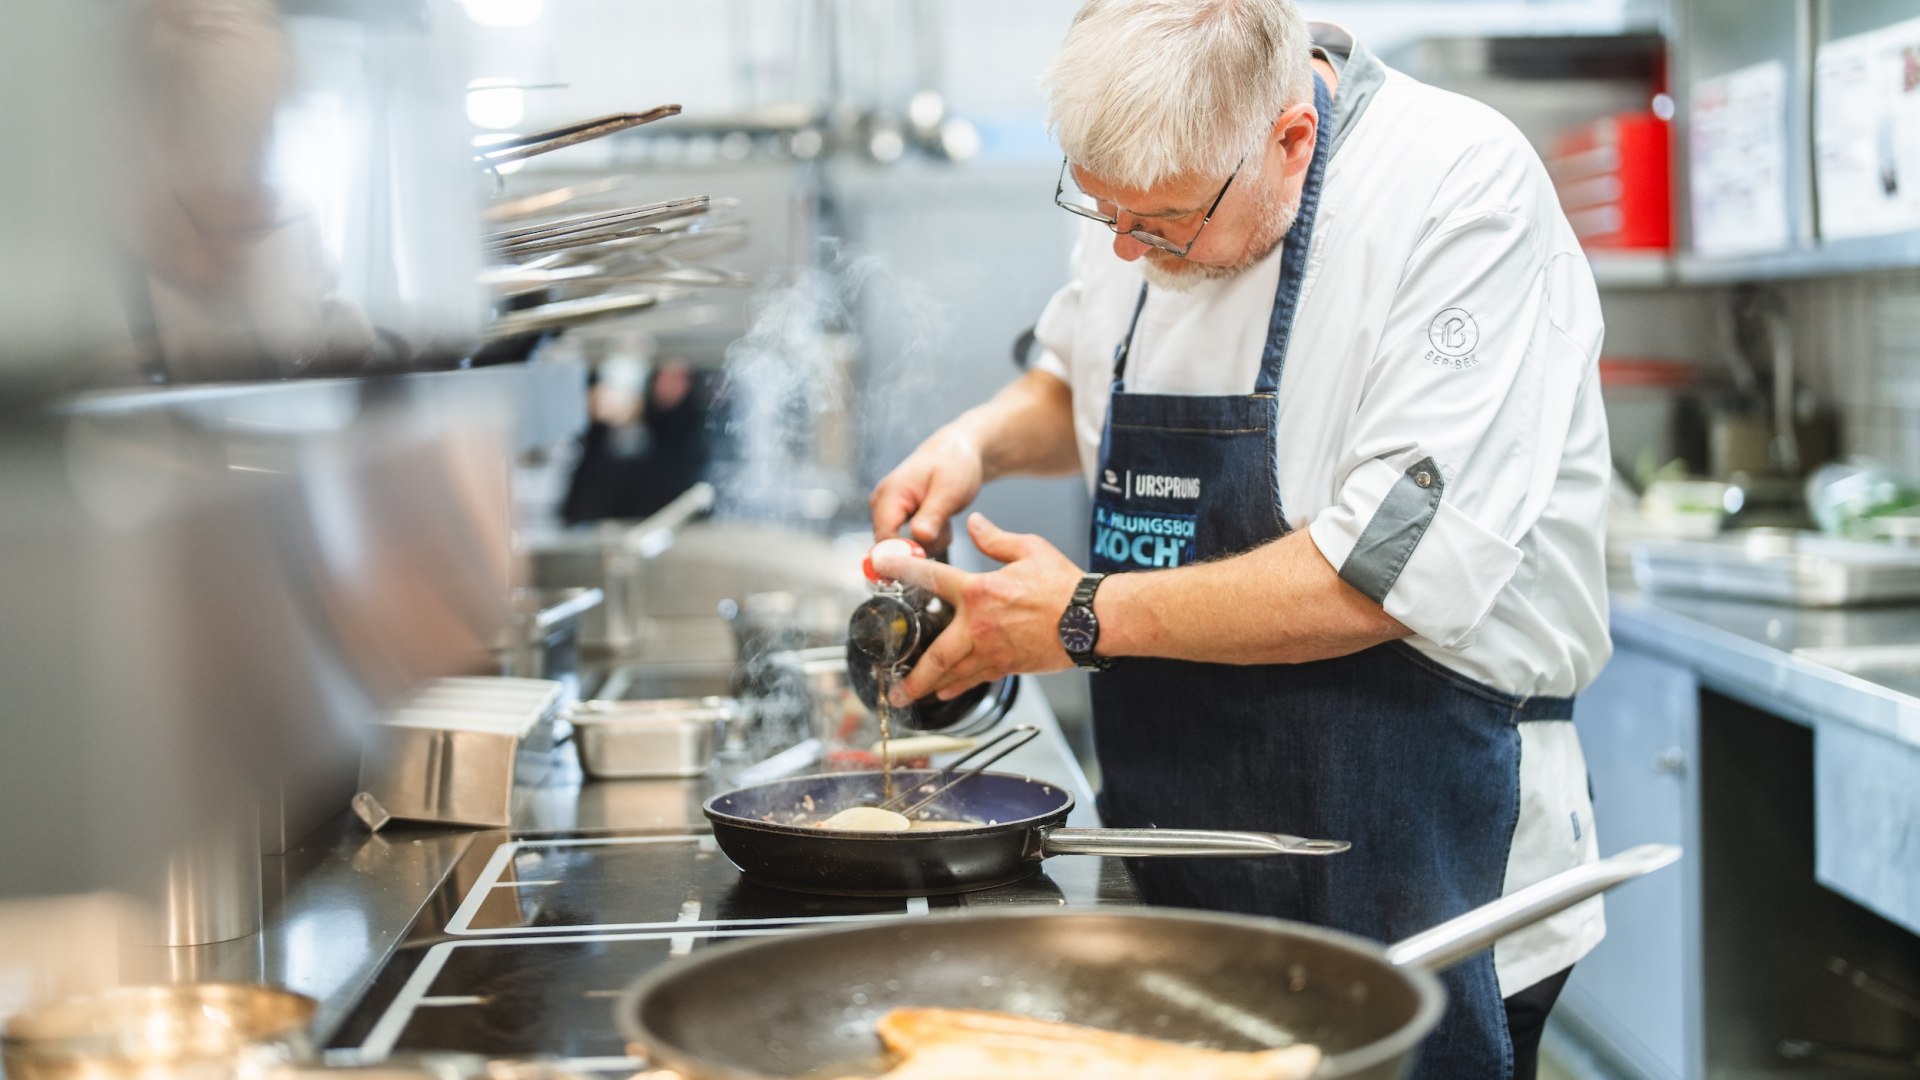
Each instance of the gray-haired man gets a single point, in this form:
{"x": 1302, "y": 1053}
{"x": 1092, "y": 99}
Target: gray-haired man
{"x": 1327, "y": 362}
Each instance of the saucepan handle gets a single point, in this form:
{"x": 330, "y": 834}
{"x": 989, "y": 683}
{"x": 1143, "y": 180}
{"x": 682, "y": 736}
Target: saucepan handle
{"x": 1191, "y": 843}
{"x": 1458, "y": 938}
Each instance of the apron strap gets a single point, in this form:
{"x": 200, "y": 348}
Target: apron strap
{"x": 1293, "y": 256}
{"x": 1126, "y": 343}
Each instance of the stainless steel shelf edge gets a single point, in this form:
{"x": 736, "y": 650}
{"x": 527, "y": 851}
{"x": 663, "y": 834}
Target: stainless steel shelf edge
{"x": 1831, "y": 259}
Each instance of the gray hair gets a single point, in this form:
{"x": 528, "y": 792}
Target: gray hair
{"x": 1144, "y": 91}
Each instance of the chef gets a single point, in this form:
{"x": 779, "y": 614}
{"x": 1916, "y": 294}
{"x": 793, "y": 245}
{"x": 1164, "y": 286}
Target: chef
{"x": 1326, "y": 359}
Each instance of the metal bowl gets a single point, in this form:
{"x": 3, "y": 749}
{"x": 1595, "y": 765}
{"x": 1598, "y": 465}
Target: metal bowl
{"x": 194, "y": 1032}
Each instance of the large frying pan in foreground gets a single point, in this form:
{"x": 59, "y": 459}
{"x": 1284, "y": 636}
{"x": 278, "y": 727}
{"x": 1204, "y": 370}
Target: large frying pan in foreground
{"x": 805, "y": 1004}
{"x": 768, "y": 831}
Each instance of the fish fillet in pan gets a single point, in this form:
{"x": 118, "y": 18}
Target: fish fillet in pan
{"x": 972, "y": 1044}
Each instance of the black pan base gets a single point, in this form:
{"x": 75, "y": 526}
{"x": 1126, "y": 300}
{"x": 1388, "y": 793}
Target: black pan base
{"x": 786, "y": 853}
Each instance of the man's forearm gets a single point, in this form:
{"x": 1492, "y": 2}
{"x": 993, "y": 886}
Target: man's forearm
{"x": 1280, "y": 603}
{"x": 1026, "y": 429}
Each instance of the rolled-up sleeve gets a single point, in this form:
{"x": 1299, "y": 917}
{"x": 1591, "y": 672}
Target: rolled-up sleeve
{"x": 1459, "y": 428}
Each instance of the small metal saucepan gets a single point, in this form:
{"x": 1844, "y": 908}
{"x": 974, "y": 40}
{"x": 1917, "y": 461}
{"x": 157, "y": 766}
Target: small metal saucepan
{"x": 770, "y": 832}
{"x": 805, "y": 1004}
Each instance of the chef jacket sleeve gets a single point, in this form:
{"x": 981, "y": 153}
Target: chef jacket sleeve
{"x": 1462, "y": 420}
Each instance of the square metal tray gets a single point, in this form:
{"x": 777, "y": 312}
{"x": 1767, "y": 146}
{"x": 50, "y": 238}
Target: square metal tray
{"x": 1779, "y": 566}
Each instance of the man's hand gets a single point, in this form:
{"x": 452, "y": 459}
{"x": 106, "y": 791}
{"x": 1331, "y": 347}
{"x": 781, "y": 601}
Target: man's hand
{"x": 937, "y": 481}
{"x": 1004, "y": 623}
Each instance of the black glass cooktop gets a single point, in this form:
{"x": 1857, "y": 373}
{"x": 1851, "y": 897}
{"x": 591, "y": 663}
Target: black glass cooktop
{"x": 525, "y": 948}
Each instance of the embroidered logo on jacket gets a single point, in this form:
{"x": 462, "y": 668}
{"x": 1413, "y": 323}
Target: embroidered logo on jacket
{"x": 1454, "y": 335}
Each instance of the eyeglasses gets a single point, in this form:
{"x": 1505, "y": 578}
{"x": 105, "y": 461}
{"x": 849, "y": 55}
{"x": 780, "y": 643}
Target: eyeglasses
{"x": 1145, "y": 237}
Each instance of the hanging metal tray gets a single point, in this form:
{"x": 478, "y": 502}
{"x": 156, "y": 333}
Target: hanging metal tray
{"x": 1780, "y": 566}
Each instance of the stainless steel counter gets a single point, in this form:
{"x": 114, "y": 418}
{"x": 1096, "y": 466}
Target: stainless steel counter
{"x": 1729, "y": 728}
{"x": 340, "y": 901}
{"x": 1789, "y": 660}
{"x": 1853, "y": 677}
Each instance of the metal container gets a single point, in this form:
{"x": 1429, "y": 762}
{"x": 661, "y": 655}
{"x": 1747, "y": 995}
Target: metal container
{"x": 611, "y": 556}
{"x": 203, "y": 1031}
{"x": 1781, "y": 566}
{"x": 544, "y": 640}
{"x": 632, "y": 740}
{"x": 206, "y": 886}
{"x": 457, "y": 753}
{"x": 816, "y": 680}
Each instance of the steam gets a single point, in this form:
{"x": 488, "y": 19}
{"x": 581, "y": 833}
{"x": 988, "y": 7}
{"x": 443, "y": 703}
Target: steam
{"x": 794, "y": 422}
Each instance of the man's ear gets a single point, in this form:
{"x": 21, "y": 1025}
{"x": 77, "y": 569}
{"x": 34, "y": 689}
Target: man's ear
{"x": 1294, "y": 131}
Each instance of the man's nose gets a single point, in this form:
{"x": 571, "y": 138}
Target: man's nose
{"x": 1124, "y": 245}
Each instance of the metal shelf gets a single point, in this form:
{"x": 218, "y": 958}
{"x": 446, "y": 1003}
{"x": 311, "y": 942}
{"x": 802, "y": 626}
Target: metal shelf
{"x": 1637, "y": 270}
{"x": 1899, "y": 251}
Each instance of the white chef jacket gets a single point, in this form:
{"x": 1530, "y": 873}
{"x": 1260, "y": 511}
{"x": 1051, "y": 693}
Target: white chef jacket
{"x": 1447, "y": 313}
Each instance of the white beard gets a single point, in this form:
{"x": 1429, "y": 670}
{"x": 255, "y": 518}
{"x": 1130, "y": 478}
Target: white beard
{"x": 1179, "y": 275}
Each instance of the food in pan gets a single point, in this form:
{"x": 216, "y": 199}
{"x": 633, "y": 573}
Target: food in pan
{"x": 968, "y": 1044}
{"x": 868, "y": 819}
{"x": 874, "y": 819}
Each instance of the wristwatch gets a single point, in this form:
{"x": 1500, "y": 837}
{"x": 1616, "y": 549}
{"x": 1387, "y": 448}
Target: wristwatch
{"x": 1080, "y": 628}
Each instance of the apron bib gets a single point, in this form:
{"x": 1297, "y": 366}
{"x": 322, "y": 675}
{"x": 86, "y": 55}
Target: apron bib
{"x": 1415, "y": 764}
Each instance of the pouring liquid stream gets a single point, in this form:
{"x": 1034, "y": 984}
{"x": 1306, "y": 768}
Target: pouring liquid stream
{"x": 874, "y": 818}
{"x": 883, "y": 679}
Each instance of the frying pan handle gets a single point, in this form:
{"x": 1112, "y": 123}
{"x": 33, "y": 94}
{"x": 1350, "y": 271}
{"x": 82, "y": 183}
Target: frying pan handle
{"x": 1192, "y": 843}
{"x": 1458, "y": 938}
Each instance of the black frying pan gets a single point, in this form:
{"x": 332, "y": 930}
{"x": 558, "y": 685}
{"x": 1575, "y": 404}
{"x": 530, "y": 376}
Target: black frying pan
{"x": 805, "y": 1004}
{"x": 767, "y": 831}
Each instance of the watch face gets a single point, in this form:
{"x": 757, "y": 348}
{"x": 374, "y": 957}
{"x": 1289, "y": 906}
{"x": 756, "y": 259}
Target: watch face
{"x": 1079, "y": 630}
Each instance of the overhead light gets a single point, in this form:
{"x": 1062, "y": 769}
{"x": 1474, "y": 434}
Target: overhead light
{"x": 496, "y": 103}
{"x": 886, "y": 145}
{"x": 925, "y": 110}
{"x": 503, "y": 12}
{"x": 959, "y": 140}
{"x": 505, "y": 168}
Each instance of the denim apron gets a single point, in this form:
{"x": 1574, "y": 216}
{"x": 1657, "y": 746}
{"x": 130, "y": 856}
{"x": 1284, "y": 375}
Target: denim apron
{"x": 1415, "y": 764}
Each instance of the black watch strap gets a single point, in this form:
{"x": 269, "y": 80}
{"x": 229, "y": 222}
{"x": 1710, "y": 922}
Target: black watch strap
{"x": 1083, "y": 598}
{"x": 1083, "y": 592}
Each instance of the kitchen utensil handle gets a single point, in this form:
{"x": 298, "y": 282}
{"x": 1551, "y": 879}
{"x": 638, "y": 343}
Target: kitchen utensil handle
{"x": 1192, "y": 843}
{"x": 654, "y": 534}
{"x": 1020, "y": 734}
{"x": 1456, "y": 939}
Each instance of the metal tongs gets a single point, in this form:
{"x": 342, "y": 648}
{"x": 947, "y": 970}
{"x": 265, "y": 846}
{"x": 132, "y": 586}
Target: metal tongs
{"x": 522, "y": 147}
{"x": 1021, "y": 734}
{"x": 583, "y": 229}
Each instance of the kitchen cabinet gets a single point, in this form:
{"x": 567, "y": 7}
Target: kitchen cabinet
{"x": 1638, "y": 727}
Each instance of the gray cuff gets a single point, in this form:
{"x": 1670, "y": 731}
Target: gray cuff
{"x": 1388, "y": 541}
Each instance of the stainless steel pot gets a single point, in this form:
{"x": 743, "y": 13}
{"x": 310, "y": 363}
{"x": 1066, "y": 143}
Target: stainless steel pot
{"x": 805, "y": 1004}
{"x": 203, "y": 1031}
